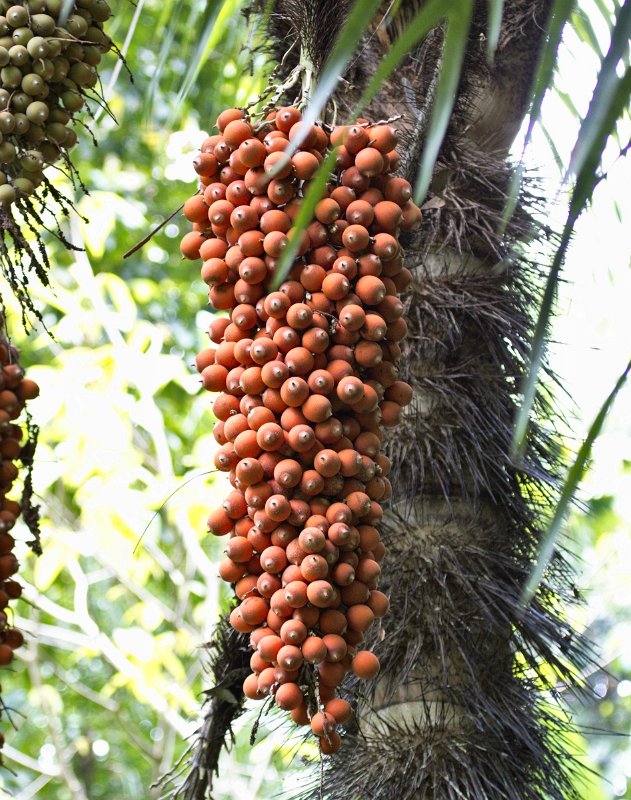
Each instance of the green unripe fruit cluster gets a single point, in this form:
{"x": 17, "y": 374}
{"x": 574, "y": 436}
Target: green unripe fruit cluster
{"x": 46, "y": 66}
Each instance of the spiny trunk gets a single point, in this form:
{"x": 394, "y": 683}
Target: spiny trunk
{"x": 460, "y": 709}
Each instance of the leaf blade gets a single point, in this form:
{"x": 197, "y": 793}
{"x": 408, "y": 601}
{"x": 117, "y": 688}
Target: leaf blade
{"x": 420, "y": 25}
{"x": 586, "y": 182}
{"x": 559, "y": 14}
{"x": 456, "y": 37}
{"x": 599, "y": 108}
{"x": 575, "y": 474}
{"x": 343, "y": 49}
{"x": 494, "y": 24}
{"x": 315, "y": 192}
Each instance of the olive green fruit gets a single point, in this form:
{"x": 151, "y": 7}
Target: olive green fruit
{"x": 22, "y": 36}
{"x": 35, "y": 135}
{"x": 94, "y": 34}
{"x": 71, "y": 139}
{"x": 55, "y": 47}
{"x": 54, "y": 7}
{"x": 42, "y": 24}
{"x": 7, "y": 122}
{"x": 20, "y": 101}
{"x": 59, "y": 115}
{"x": 5, "y": 28}
{"x": 85, "y": 15}
{"x": 19, "y": 55}
{"x": 22, "y": 124}
{"x": 44, "y": 68}
{"x": 32, "y": 84}
{"x": 62, "y": 68}
{"x": 4, "y": 57}
{"x": 4, "y": 98}
{"x": 74, "y": 52}
{"x": 7, "y": 153}
{"x": 6, "y": 42}
{"x": 7, "y": 195}
{"x": 17, "y": 16}
{"x": 37, "y": 112}
{"x": 92, "y": 56}
{"x": 72, "y": 101}
{"x": 11, "y": 77}
{"x": 32, "y": 161}
{"x": 82, "y": 74}
{"x": 76, "y": 25}
{"x": 49, "y": 151}
{"x": 24, "y": 186}
{"x": 56, "y": 132}
{"x": 38, "y": 47}
{"x": 3, "y": 178}
{"x": 36, "y": 6}
{"x": 101, "y": 11}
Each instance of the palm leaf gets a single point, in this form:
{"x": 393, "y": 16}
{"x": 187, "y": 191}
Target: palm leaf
{"x": 496, "y": 9}
{"x": 455, "y": 44}
{"x": 66, "y": 8}
{"x": 609, "y": 101}
{"x": 344, "y": 48}
{"x": 575, "y": 475}
{"x": 559, "y": 14}
{"x": 421, "y": 24}
{"x": 314, "y": 194}
{"x": 218, "y": 25}
{"x": 603, "y": 99}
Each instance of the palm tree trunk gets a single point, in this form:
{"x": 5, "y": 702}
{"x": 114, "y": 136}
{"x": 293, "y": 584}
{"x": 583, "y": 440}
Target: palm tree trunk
{"x": 463, "y": 706}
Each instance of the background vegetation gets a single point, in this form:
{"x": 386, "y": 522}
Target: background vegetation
{"x": 118, "y": 608}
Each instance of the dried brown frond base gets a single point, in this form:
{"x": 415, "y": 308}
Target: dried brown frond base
{"x": 229, "y": 658}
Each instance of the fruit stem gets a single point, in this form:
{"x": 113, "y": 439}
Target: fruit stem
{"x": 308, "y": 70}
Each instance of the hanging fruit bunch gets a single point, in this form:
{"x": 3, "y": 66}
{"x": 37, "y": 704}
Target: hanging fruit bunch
{"x": 307, "y": 380}
{"x": 15, "y": 390}
{"x": 48, "y": 68}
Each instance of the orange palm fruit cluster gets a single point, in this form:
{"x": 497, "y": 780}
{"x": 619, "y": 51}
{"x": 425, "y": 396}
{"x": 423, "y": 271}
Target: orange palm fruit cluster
{"x": 15, "y": 389}
{"x": 307, "y": 381}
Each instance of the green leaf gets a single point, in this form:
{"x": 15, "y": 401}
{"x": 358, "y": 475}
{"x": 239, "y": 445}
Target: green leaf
{"x": 496, "y": 9}
{"x": 559, "y": 14}
{"x": 586, "y": 181}
{"x": 171, "y": 10}
{"x": 529, "y": 384}
{"x": 216, "y": 28}
{"x": 421, "y": 24}
{"x": 345, "y": 46}
{"x": 609, "y": 114}
{"x": 314, "y": 194}
{"x": 124, "y": 50}
{"x": 568, "y": 102}
{"x": 455, "y": 44}
{"x": 604, "y": 97}
{"x": 585, "y": 31}
{"x": 553, "y": 148}
{"x": 66, "y": 8}
{"x": 577, "y": 470}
